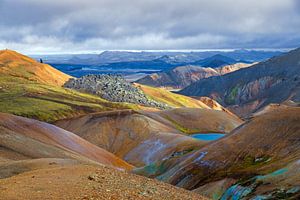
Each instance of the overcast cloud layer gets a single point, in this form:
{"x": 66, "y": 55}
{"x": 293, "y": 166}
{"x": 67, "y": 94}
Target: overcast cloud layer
{"x": 46, "y": 26}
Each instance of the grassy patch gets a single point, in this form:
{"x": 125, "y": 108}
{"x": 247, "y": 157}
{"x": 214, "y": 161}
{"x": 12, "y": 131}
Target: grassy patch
{"x": 169, "y": 98}
{"x": 49, "y": 103}
{"x": 230, "y": 99}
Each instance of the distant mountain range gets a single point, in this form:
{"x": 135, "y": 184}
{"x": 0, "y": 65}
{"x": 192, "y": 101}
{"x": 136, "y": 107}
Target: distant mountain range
{"x": 217, "y": 60}
{"x": 276, "y": 80}
{"x": 174, "y": 58}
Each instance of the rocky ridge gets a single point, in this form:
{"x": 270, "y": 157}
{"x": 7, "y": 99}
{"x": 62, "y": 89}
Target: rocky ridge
{"x": 183, "y": 76}
{"x": 112, "y": 88}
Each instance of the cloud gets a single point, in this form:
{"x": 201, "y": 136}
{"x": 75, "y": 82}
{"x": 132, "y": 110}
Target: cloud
{"x": 90, "y": 25}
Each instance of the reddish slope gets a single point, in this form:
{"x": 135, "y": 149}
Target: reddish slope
{"x": 18, "y": 65}
{"x": 34, "y": 139}
{"x": 136, "y": 138}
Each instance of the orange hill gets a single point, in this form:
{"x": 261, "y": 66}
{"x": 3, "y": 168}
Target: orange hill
{"x": 22, "y": 139}
{"x": 18, "y": 65}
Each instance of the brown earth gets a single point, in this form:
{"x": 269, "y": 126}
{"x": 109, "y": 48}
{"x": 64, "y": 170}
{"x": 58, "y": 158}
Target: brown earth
{"x": 88, "y": 182}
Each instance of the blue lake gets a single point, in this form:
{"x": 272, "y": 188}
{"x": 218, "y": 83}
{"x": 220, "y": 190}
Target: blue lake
{"x": 207, "y": 136}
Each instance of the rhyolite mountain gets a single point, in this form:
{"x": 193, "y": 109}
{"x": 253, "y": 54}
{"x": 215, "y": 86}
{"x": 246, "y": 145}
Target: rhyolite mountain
{"x": 66, "y": 161}
{"x": 182, "y": 76}
{"x": 144, "y": 137}
{"x": 59, "y": 164}
{"x": 258, "y": 160}
{"x": 276, "y": 80}
{"x": 98, "y": 141}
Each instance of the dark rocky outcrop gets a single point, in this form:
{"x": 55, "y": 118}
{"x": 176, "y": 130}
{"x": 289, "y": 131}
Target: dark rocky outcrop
{"x": 113, "y": 88}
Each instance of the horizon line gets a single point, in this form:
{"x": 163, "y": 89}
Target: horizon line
{"x": 154, "y": 50}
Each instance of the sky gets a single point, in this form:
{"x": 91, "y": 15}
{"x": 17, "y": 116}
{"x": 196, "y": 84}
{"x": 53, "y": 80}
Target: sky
{"x": 83, "y": 26}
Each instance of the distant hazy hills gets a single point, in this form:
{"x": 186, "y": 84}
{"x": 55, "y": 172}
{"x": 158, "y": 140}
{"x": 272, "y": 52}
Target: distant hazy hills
{"x": 135, "y": 65}
{"x": 171, "y": 57}
{"x": 276, "y": 80}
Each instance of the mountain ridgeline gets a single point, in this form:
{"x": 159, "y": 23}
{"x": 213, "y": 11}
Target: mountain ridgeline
{"x": 183, "y": 76}
{"x": 247, "y": 90}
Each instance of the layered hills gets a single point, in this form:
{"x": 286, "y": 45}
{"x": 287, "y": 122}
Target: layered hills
{"x": 236, "y": 167}
{"x": 125, "y": 57}
{"x": 144, "y": 137}
{"x": 39, "y": 160}
{"x": 248, "y": 90}
{"x": 183, "y": 76}
{"x": 32, "y": 89}
{"x": 94, "y": 146}
{"x": 23, "y": 95}
{"x": 23, "y": 138}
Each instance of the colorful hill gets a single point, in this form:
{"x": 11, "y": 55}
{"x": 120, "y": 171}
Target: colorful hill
{"x": 182, "y": 76}
{"x": 196, "y": 120}
{"x": 145, "y": 137}
{"x": 260, "y": 159}
{"x": 131, "y": 136}
{"x": 39, "y": 160}
{"x": 23, "y": 138}
{"x": 171, "y": 99}
{"x": 247, "y": 90}
{"x": 33, "y": 90}
{"x": 180, "y": 101}
{"x": 18, "y": 65}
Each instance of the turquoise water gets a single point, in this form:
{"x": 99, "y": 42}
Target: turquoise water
{"x": 207, "y": 136}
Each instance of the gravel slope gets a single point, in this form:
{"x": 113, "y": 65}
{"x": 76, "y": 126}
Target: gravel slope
{"x": 88, "y": 182}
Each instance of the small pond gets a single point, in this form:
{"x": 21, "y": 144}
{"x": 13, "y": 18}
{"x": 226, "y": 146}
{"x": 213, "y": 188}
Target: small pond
{"x": 207, "y": 136}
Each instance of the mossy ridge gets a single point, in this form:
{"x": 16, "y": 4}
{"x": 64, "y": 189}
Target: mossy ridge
{"x": 169, "y": 98}
{"x": 49, "y": 103}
